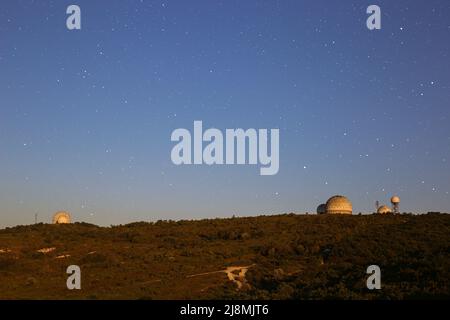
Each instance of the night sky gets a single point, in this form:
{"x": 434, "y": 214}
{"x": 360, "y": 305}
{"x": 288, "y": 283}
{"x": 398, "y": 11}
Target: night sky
{"x": 86, "y": 115}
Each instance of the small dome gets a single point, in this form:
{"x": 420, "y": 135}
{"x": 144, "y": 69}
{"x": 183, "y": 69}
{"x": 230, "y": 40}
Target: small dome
{"x": 339, "y": 205}
{"x": 61, "y": 217}
{"x": 395, "y": 199}
{"x": 322, "y": 208}
{"x": 384, "y": 210}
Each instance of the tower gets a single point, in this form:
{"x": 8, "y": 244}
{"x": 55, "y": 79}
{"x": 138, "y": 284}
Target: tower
{"x": 395, "y": 200}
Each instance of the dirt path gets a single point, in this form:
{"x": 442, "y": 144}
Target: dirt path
{"x": 235, "y": 274}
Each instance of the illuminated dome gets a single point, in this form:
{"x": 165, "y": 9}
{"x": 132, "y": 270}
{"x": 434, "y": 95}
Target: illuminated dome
{"x": 322, "y": 208}
{"x": 61, "y": 217}
{"x": 338, "y": 205}
{"x": 395, "y": 199}
{"x": 384, "y": 210}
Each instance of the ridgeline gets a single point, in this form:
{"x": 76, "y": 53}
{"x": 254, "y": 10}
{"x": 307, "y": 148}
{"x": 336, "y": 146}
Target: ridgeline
{"x": 266, "y": 257}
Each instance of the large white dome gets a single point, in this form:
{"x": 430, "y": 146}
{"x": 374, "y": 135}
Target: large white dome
{"x": 339, "y": 205}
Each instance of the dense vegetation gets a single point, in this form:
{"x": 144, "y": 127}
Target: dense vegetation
{"x": 290, "y": 257}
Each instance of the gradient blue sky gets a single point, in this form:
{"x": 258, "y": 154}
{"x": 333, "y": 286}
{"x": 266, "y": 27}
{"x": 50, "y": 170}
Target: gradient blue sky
{"x": 86, "y": 116}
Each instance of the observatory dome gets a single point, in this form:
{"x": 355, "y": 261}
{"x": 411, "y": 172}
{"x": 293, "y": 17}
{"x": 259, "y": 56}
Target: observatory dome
{"x": 384, "y": 210}
{"x": 338, "y": 205}
{"x": 61, "y": 217}
{"x": 322, "y": 208}
{"x": 395, "y": 199}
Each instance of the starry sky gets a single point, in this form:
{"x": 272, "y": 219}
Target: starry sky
{"x": 86, "y": 115}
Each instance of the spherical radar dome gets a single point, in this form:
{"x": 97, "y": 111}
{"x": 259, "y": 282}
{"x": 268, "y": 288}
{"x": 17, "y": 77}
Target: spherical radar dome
{"x": 339, "y": 205}
{"x": 322, "y": 208}
{"x": 395, "y": 199}
{"x": 61, "y": 217}
{"x": 384, "y": 210}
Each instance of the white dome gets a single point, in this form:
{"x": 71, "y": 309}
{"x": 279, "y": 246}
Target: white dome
{"x": 322, "y": 208}
{"x": 339, "y": 205}
{"x": 384, "y": 210}
{"x": 61, "y": 217}
{"x": 395, "y": 199}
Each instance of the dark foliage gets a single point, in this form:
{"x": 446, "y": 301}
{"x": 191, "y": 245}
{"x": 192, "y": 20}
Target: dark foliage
{"x": 291, "y": 257}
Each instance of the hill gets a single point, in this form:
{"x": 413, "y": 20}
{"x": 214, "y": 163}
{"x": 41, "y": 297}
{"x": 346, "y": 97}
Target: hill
{"x": 267, "y": 257}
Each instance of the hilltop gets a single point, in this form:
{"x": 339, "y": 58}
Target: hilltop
{"x": 267, "y": 257}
